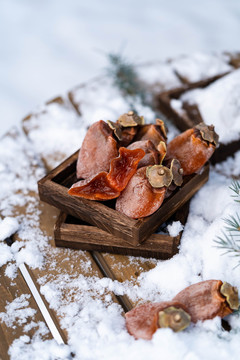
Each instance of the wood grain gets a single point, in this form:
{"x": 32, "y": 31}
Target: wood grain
{"x": 53, "y": 189}
{"x": 107, "y": 272}
{"x": 74, "y": 233}
{"x": 10, "y": 290}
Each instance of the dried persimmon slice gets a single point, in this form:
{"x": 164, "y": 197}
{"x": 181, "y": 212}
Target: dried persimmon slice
{"x": 143, "y": 321}
{"x": 97, "y": 188}
{"x": 106, "y": 186}
{"x": 124, "y": 167}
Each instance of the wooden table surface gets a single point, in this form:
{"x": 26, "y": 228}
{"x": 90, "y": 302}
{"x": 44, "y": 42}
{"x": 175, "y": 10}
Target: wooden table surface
{"x": 122, "y": 268}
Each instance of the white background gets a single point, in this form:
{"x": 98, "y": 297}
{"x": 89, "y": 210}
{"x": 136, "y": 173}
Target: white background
{"x": 49, "y": 46}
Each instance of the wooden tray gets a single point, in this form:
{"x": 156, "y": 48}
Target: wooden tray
{"x": 53, "y": 189}
{"x": 73, "y": 233}
{"x": 184, "y": 122}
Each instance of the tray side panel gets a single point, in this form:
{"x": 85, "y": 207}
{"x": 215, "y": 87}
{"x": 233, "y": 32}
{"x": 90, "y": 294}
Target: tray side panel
{"x": 93, "y": 239}
{"x": 92, "y": 212}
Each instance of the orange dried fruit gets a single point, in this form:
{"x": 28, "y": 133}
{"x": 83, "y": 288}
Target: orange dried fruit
{"x": 97, "y": 188}
{"x": 193, "y": 148}
{"x": 154, "y": 132}
{"x": 151, "y": 154}
{"x": 143, "y": 321}
{"x": 208, "y": 299}
{"x": 124, "y": 167}
{"x": 98, "y": 149}
{"x": 106, "y": 186}
{"x": 139, "y": 198}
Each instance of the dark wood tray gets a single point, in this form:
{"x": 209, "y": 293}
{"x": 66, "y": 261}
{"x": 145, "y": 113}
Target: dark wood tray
{"x": 194, "y": 117}
{"x": 73, "y": 233}
{"x": 53, "y": 189}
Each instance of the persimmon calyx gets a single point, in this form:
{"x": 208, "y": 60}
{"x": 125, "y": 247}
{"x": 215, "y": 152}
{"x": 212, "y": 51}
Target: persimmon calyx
{"x": 208, "y": 133}
{"x": 231, "y": 294}
{"x": 160, "y": 123}
{"x": 174, "y": 318}
{"x": 130, "y": 119}
{"x": 177, "y": 172}
{"x": 116, "y": 129}
{"x": 159, "y": 175}
{"x": 162, "y": 149}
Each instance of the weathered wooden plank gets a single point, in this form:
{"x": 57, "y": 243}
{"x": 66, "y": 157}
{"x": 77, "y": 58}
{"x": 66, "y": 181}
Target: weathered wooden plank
{"x": 41, "y": 218}
{"x": 74, "y": 233}
{"x": 10, "y": 290}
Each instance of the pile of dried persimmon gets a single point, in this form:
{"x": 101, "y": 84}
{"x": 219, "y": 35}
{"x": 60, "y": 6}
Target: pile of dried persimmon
{"x": 198, "y": 302}
{"x": 132, "y": 162}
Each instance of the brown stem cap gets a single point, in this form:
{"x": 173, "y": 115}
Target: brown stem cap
{"x": 208, "y": 133}
{"x": 159, "y": 176}
{"x": 130, "y": 119}
{"x": 175, "y": 318}
{"x": 231, "y": 294}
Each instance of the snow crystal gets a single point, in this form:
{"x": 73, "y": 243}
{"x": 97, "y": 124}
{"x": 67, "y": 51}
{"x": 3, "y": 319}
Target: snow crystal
{"x": 17, "y": 312}
{"x": 8, "y": 226}
{"x": 231, "y": 166}
{"x": 101, "y": 101}
{"x": 175, "y": 228}
{"x": 11, "y": 271}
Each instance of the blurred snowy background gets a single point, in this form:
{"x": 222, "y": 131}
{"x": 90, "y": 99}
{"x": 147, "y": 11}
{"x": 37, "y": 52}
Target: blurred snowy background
{"x": 49, "y": 46}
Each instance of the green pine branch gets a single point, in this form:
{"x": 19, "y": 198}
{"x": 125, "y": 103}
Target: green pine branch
{"x": 230, "y": 239}
{"x": 125, "y": 77}
{"x": 235, "y": 187}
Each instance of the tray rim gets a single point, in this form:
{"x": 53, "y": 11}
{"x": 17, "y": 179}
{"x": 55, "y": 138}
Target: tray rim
{"x": 49, "y": 190}
{"x": 151, "y": 248}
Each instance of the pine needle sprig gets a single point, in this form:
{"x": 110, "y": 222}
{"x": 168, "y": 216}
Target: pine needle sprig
{"x": 235, "y": 187}
{"x": 227, "y": 242}
{"x": 233, "y": 224}
{"x": 230, "y": 239}
{"x": 125, "y": 76}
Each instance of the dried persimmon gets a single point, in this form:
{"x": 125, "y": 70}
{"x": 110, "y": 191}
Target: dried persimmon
{"x": 143, "y": 321}
{"x": 193, "y": 148}
{"x": 106, "y": 186}
{"x": 208, "y": 299}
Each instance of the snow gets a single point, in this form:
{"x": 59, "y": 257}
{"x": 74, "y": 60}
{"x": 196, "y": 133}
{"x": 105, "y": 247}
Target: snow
{"x": 50, "y": 46}
{"x": 175, "y": 228}
{"x": 8, "y": 226}
{"x": 200, "y": 66}
{"x": 88, "y": 312}
{"x": 160, "y": 75}
{"x": 49, "y": 127}
{"x": 17, "y": 312}
{"x": 219, "y": 105}
{"x": 80, "y": 297}
{"x": 83, "y": 302}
